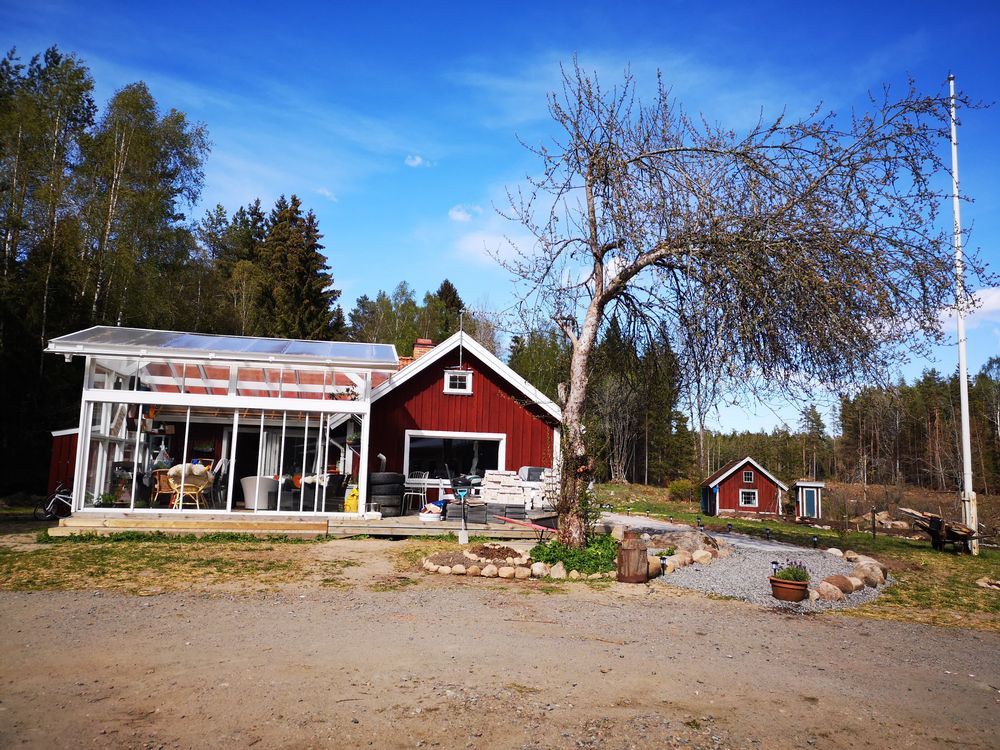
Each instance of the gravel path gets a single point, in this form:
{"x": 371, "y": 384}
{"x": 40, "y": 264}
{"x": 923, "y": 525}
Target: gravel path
{"x": 745, "y": 572}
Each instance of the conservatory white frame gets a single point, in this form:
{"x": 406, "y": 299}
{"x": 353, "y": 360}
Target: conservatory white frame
{"x": 130, "y": 361}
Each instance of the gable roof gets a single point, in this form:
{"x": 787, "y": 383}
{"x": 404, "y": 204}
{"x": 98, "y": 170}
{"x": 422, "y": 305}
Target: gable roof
{"x": 732, "y": 466}
{"x": 481, "y": 353}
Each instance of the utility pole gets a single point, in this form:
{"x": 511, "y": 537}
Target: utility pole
{"x": 970, "y": 515}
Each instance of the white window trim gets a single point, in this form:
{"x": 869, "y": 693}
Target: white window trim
{"x": 745, "y": 480}
{"x": 496, "y": 436}
{"x": 748, "y": 505}
{"x": 467, "y": 391}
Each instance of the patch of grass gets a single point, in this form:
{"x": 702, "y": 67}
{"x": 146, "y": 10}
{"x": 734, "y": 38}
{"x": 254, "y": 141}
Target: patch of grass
{"x": 552, "y": 588}
{"x": 393, "y": 584}
{"x": 136, "y": 565}
{"x": 520, "y": 689}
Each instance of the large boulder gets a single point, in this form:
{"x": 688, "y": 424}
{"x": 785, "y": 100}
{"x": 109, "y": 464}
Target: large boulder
{"x": 539, "y": 570}
{"x": 521, "y": 572}
{"x": 870, "y": 573}
{"x": 558, "y": 570}
{"x": 702, "y": 557}
{"x": 850, "y": 555}
{"x": 458, "y": 570}
{"x": 574, "y": 575}
{"x": 490, "y": 571}
{"x": 857, "y": 583}
{"x": 680, "y": 559}
{"x": 473, "y": 570}
{"x": 841, "y": 582}
{"x": 863, "y": 559}
{"x": 835, "y": 552}
{"x": 444, "y": 570}
{"x": 683, "y": 540}
{"x": 507, "y": 571}
{"x": 829, "y": 593}
{"x": 654, "y": 566}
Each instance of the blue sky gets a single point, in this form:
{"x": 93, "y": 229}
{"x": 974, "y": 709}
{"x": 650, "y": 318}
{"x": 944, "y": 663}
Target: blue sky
{"x": 398, "y": 123}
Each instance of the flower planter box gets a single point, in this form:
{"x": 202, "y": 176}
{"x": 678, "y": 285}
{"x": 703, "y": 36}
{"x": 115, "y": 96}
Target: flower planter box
{"x": 789, "y": 591}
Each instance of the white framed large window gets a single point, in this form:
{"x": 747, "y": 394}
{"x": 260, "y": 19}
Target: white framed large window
{"x": 458, "y": 382}
{"x": 444, "y": 454}
{"x": 748, "y": 498}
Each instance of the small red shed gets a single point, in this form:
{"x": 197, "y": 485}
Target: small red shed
{"x": 742, "y": 486}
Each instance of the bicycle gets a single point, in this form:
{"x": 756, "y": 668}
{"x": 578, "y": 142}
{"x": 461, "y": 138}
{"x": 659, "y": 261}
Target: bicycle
{"x": 57, "y": 505}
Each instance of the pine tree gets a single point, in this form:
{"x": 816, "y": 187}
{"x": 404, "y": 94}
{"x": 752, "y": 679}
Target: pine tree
{"x": 298, "y": 296}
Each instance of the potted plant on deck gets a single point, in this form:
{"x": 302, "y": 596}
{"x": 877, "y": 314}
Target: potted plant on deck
{"x": 790, "y": 583}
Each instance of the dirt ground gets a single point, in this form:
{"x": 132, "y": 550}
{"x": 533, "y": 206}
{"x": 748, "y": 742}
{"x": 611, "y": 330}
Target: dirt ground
{"x": 415, "y": 660}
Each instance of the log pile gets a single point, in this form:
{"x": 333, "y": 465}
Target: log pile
{"x": 941, "y": 532}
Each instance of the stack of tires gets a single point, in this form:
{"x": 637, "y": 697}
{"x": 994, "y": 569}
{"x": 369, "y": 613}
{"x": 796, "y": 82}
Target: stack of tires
{"x": 386, "y": 489}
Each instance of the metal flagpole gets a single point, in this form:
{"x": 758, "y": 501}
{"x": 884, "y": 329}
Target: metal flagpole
{"x": 970, "y": 516}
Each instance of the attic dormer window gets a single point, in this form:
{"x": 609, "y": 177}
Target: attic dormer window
{"x": 748, "y": 477}
{"x": 458, "y": 381}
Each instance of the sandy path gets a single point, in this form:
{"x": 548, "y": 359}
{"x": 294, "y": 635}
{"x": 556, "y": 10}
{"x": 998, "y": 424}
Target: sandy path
{"x": 480, "y": 666}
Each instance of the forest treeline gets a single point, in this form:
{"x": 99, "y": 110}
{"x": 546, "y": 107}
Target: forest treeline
{"x": 94, "y": 205}
{"x": 908, "y": 434}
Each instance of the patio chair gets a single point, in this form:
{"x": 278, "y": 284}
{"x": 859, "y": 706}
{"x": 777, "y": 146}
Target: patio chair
{"x": 416, "y": 489}
{"x": 217, "y": 494}
{"x": 161, "y": 486}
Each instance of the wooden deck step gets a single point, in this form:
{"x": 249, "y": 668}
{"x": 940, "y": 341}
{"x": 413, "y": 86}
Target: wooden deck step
{"x": 181, "y": 524}
{"x": 295, "y": 533}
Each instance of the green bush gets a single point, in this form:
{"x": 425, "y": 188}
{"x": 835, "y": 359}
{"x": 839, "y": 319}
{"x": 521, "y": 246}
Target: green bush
{"x": 683, "y": 490}
{"x": 597, "y": 557}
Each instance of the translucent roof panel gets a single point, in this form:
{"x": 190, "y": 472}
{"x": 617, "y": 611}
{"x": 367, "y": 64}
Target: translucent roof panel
{"x": 111, "y": 340}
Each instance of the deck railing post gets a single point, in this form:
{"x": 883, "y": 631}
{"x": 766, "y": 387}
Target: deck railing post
{"x": 363, "y": 464}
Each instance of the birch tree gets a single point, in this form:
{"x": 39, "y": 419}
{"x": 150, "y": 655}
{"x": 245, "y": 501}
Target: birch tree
{"x": 812, "y": 241}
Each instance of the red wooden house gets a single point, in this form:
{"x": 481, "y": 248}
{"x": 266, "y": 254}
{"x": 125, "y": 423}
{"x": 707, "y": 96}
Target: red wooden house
{"x": 742, "y": 486}
{"x": 457, "y": 409}
{"x": 286, "y": 425}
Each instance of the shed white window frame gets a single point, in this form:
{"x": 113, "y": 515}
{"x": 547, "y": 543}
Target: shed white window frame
{"x": 747, "y": 473}
{"x": 461, "y": 391}
{"x": 500, "y": 437}
{"x": 745, "y": 504}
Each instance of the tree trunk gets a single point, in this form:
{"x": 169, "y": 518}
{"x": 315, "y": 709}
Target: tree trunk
{"x": 577, "y": 466}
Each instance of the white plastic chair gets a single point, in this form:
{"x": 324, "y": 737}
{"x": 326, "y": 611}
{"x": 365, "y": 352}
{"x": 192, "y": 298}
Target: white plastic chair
{"x": 415, "y": 491}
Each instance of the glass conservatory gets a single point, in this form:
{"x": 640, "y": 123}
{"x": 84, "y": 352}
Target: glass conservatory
{"x": 191, "y": 422}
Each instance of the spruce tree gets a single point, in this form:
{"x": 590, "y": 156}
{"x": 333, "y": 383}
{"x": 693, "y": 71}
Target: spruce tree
{"x": 298, "y": 297}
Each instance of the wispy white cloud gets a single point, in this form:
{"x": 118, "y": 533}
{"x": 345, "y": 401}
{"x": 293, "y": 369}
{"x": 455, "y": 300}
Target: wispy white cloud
{"x": 463, "y": 214}
{"x": 327, "y": 194}
{"x": 987, "y": 307}
{"x": 986, "y": 310}
{"x": 416, "y": 160}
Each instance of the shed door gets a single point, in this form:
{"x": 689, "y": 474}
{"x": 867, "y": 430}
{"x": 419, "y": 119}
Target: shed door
{"x": 809, "y": 501}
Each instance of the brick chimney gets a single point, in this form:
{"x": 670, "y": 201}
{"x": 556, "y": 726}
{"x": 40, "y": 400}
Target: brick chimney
{"x": 421, "y": 347}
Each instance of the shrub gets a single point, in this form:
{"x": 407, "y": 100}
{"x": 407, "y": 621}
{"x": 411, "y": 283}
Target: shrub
{"x": 597, "y": 557}
{"x": 683, "y": 490}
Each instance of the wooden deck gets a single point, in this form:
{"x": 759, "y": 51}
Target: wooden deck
{"x": 300, "y": 526}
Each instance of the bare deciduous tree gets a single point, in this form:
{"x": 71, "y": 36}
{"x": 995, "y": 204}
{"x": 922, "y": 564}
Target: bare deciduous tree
{"x": 807, "y": 249}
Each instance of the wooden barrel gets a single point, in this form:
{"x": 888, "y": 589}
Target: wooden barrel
{"x": 632, "y": 564}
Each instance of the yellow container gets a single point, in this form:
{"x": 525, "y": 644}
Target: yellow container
{"x": 351, "y": 501}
